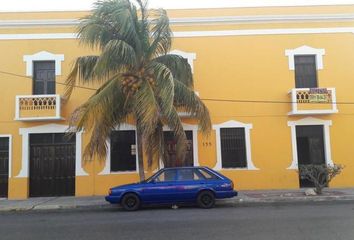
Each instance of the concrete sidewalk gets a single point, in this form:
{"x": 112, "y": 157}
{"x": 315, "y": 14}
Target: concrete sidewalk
{"x": 259, "y": 197}
{"x": 293, "y": 196}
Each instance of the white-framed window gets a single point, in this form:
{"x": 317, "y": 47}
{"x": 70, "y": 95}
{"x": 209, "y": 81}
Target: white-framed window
{"x": 303, "y": 51}
{"x": 122, "y": 151}
{"x": 43, "y": 56}
{"x": 192, "y": 142}
{"x": 233, "y": 146}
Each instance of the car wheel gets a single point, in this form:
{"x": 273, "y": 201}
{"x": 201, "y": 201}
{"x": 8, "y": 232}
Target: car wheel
{"x": 206, "y": 199}
{"x": 130, "y": 202}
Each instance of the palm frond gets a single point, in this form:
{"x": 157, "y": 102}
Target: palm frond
{"x": 143, "y": 27}
{"x": 103, "y": 103}
{"x": 179, "y": 67}
{"x": 116, "y": 56}
{"x": 103, "y": 112}
{"x": 146, "y": 108}
{"x": 161, "y": 34}
{"x": 188, "y": 101}
{"x": 154, "y": 144}
{"x": 83, "y": 70}
{"x": 173, "y": 121}
{"x": 112, "y": 19}
{"x": 164, "y": 84}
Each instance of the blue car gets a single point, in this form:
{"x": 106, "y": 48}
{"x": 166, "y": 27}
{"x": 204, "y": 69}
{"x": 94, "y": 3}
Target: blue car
{"x": 200, "y": 185}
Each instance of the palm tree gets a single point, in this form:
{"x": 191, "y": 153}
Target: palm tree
{"x": 139, "y": 81}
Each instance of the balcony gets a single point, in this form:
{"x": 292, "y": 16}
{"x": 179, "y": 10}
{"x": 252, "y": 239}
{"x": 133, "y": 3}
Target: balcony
{"x": 38, "y": 107}
{"x": 307, "y": 101}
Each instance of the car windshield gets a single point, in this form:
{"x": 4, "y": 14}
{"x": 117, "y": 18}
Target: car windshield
{"x": 148, "y": 179}
{"x": 151, "y": 177}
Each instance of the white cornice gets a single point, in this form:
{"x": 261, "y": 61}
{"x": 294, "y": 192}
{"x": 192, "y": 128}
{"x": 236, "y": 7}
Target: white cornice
{"x": 261, "y": 19}
{"x": 188, "y": 34}
{"x": 273, "y": 31}
{"x": 39, "y": 23}
{"x": 194, "y": 20}
{"x": 30, "y": 36}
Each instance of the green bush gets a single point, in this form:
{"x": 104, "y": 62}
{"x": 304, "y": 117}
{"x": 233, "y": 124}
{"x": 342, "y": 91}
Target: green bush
{"x": 320, "y": 175}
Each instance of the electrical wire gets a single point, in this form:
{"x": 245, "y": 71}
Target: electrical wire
{"x": 204, "y": 99}
{"x": 18, "y": 75}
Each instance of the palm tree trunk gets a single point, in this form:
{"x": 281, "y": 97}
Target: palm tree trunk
{"x": 140, "y": 154}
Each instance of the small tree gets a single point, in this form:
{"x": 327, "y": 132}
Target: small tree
{"x": 320, "y": 175}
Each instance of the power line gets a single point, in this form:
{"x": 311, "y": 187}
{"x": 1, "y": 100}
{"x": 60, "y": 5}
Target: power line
{"x": 76, "y": 86}
{"x": 266, "y": 101}
{"x": 13, "y": 74}
{"x": 204, "y": 99}
{"x": 18, "y": 75}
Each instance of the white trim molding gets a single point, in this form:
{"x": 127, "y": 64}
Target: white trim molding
{"x": 43, "y": 56}
{"x": 305, "y": 50}
{"x": 38, "y": 36}
{"x": 194, "y": 129}
{"x": 188, "y": 34}
{"x": 308, "y": 122}
{"x": 28, "y": 23}
{"x": 233, "y": 124}
{"x": 190, "y": 56}
{"x": 10, "y": 152}
{"x": 272, "y": 31}
{"x": 49, "y": 128}
{"x": 107, "y": 167}
{"x": 260, "y": 19}
{"x": 183, "y": 21}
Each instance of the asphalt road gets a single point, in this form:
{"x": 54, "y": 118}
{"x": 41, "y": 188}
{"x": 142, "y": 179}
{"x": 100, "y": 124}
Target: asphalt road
{"x": 333, "y": 221}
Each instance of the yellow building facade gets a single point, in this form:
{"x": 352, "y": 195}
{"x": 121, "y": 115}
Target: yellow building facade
{"x": 278, "y": 82}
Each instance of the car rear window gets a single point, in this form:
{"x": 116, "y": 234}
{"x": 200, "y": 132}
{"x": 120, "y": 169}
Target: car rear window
{"x": 207, "y": 174}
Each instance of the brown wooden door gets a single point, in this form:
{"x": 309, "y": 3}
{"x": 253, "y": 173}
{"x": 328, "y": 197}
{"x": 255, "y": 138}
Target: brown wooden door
{"x": 310, "y": 148}
{"x": 52, "y": 165}
{"x": 4, "y": 166}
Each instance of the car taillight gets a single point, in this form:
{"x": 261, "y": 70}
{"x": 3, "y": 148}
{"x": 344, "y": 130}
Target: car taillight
{"x": 232, "y": 185}
{"x": 110, "y": 192}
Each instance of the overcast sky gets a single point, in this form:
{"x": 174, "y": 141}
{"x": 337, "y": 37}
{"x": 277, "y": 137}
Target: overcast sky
{"x": 43, "y": 5}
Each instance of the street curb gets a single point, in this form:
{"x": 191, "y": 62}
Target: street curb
{"x": 219, "y": 203}
{"x": 54, "y": 207}
{"x": 237, "y": 202}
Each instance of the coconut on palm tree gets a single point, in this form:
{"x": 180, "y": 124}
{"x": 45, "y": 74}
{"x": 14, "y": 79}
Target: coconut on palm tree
{"x": 138, "y": 80}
